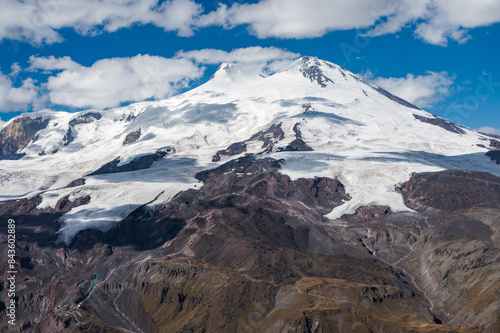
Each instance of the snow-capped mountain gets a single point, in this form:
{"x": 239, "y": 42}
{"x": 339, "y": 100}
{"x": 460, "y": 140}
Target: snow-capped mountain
{"x": 315, "y": 116}
{"x": 305, "y": 201}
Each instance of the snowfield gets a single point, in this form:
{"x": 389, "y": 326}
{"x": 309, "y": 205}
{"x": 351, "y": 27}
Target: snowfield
{"x": 367, "y": 141}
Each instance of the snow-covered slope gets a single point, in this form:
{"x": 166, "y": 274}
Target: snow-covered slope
{"x": 368, "y": 139}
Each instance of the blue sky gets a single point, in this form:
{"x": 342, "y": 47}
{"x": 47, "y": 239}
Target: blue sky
{"x": 81, "y": 54}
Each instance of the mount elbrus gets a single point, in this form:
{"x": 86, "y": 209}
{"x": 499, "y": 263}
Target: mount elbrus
{"x": 306, "y": 201}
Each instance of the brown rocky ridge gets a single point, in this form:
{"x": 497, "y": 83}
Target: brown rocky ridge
{"x": 250, "y": 251}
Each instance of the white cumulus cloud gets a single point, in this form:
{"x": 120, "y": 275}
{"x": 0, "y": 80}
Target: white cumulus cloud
{"x": 110, "y": 82}
{"x": 450, "y": 19}
{"x": 434, "y": 21}
{"x": 51, "y": 63}
{"x": 16, "y": 98}
{"x": 256, "y": 58}
{"x": 298, "y": 18}
{"x": 242, "y": 55}
{"x": 421, "y": 90}
{"x": 38, "y": 21}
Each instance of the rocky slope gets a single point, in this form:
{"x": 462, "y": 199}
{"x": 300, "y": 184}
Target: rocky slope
{"x": 251, "y": 251}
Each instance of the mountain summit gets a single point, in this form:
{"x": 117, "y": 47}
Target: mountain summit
{"x": 341, "y": 127}
{"x": 304, "y": 201}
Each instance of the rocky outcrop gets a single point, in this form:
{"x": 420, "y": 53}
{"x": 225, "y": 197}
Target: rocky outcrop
{"x": 313, "y": 72}
{"x": 35, "y": 225}
{"x": 494, "y": 155}
{"x": 69, "y": 136}
{"x": 18, "y": 134}
{"x": 65, "y": 205}
{"x": 452, "y": 190}
{"x": 132, "y": 137}
{"x": 440, "y": 122}
{"x": 138, "y": 163}
{"x": 495, "y": 144}
{"x": 269, "y": 138}
{"x": 394, "y": 98}
{"x": 298, "y": 144}
{"x": 76, "y": 182}
{"x": 86, "y": 118}
{"x": 234, "y": 149}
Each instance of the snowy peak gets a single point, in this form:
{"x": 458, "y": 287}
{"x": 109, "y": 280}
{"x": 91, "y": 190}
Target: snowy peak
{"x": 232, "y": 73}
{"x": 329, "y": 75}
{"x": 221, "y": 70}
{"x": 305, "y": 77}
{"x": 311, "y": 68}
{"x": 322, "y": 72}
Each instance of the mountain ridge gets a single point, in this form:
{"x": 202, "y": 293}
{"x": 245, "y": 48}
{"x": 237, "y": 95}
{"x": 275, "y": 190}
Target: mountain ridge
{"x": 331, "y": 107}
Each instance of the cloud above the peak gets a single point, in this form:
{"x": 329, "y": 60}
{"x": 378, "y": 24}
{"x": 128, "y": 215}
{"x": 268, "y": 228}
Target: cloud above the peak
{"x": 255, "y": 58}
{"x": 421, "y": 90}
{"x": 434, "y": 21}
{"x": 111, "y": 82}
{"x": 297, "y": 18}
{"x": 242, "y": 55}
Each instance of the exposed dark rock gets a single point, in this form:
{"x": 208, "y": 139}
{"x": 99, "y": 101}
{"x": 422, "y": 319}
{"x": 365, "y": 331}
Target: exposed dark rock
{"x": 132, "y": 137}
{"x": 234, "y": 149}
{"x": 436, "y": 121}
{"x": 69, "y": 136}
{"x": 491, "y": 135}
{"x": 307, "y": 107}
{"x": 17, "y": 135}
{"x": 268, "y": 138}
{"x": 86, "y": 118}
{"x": 495, "y": 144}
{"x": 296, "y": 129}
{"x": 65, "y": 205}
{"x": 298, "y": 144}
{"x": 494, "y": 155}
{"x": 343, "y": 71}
{"x": 34, "y": 225}
{"x": 315, "y": 74}
{"x": 76, "y": 182}
{"x": 370, "y": 213}
{"x": 451, "y": 190}
{"x": 138, "y": 163}
{"x": 220, "y": 68}
{"x": 29, "y": 206}
{"x": 394, "y": 98}
{"x": 25, "y": 262}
